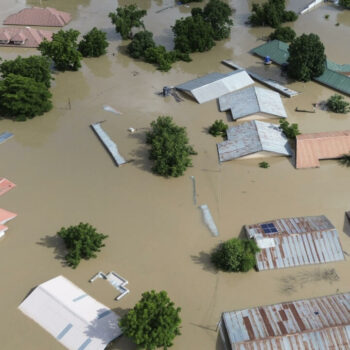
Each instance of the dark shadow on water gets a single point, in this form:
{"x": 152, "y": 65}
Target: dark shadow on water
{"x": 203, "y": 258}
{"x": 140, "y": 156}
{"x": 58, "y": 246}
{"x": 243, "y": 233}
{"x": 219, "y": 344}
{"x": 346, "y": 227}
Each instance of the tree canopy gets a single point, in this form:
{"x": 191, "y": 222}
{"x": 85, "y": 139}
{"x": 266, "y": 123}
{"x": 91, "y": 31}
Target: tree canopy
{"x": 153, "y": 322}
{"x": 94, "y": 43}
{"x": 285, "y": 34}
{"x": 306, "y": 59}
{"x": 35, "y": 67}
{"x": 337, "y": 104}
{"x": 63, "y": 50}
{"x": 235, "y": 255}
{"x": 170, "y": 150}
{"x": 23, "y": 97}
{"x": 272, "y": 13}
{"x": 82, "y": 242}
{"x": 345, "y": 3}
{"x": 218, "y": 128}
{"x": 126, "y": 18}
{"x": 290, "y": 130}
{"x": 140, "y": 43}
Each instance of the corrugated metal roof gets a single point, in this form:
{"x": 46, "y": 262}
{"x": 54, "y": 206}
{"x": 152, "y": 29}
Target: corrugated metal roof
{"x": 324, "y": 145}
{"x": 253, "y": 100}
{"x": 37, "y": 16}
{"x": 32, "y": 37}
{"x": 214, "y": 85}
{"x": 297, "y": 241}
{"x": 278, "y": 52}
{"x": 73, "y": 317}
{"x": 310, "y": 324}
{"x": 252, "y": 137}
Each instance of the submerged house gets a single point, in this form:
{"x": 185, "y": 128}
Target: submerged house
{"x": 253, "y": 139}
{"x": 214, "y": 85}
{"x": 311, "y": 324}
{"x": 295, "y": 241}
{"x": 37, "y": 16}
{"x": 5, "y": 216}
{"x": 5, "y": 185}
{"x": 23, "y": 37}
{"x": 311, "y": 148}
{"x": 74, "y": 318}
{"x": 254, "y": 102}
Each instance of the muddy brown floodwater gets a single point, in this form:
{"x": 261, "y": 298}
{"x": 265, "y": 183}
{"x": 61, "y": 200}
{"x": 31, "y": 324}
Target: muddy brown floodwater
{"x": 157, "y": 239}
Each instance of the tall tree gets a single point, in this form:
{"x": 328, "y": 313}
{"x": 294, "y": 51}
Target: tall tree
{"x": 35, "y": 67}
{"x": 285, "y": 34}
{"x": 127, "y": 18}
{"x": 153, "y": 322}
{"x": 94, "y": 43}
{"x": 306, "y": 59}
{"x": 63, "y": 50}
{"x": 140, "y": 43}
{"x": 22, "y": 97}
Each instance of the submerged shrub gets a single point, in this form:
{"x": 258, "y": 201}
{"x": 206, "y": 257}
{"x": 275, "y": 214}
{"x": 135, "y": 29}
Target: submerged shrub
{"x": 218, "y": 128}
{"x": 290, "y": 130}
{"x": 337, "y": 104}
{"x": 285, "y": 34}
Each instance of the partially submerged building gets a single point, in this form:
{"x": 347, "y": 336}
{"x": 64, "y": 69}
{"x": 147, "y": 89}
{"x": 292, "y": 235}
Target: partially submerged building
{"x": 295, "y": 241}
{"x": 335, "y": 76}
{"x": 311, "y": 148}
{"x": 5, "y": 185}
{"x": 23, "y": 37}
{"x": 311, "y": 324}
{"x": 37, "y": 16}
{"x": 254, "y": 102}
{"x": 253, "y": 139}
{"x": 74, "y": 318}
{"x": 214, "y": 85}
{"x": 5, "y": 216}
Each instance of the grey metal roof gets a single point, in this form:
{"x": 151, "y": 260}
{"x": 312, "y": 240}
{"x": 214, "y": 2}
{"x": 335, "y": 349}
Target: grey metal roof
{"x": 253, "y": 100}
{"x": 310, "y": 324}
{"x": 214, "y": 85}
{"x": 295, "y": 241}
{"x": 252, "y": 137}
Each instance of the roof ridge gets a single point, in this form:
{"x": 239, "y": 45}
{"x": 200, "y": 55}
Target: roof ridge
{"x": 257, "y": 131}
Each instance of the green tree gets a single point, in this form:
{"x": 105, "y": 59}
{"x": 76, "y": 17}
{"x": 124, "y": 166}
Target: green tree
{"x": 306, "y": 59}
{"x": 345, "y": 3}
{"x": 154, "y": 321}
{"x": 23, "y": 97}
{"x": 94, "y": 43}
{"x": 188, "y": 1}
{"x": 285, "y": 34}
{"x": 235, "y": 255}
{"x": 82, "y": 242}
{"x": 140, "y": 43}
{"x": 290, "y": 130}
{"x": 345, "y": 160}
{"x": 337, "y": 104}
{"x": 193, "y": 34}
{"x": 170, "y": 150}
{"x": 218, "y": 14}
{"x": 63, "y": 50}
{"x": 126, "y": 18}
{"x": 218, "y": 128}
{"x": 35, "y": 67}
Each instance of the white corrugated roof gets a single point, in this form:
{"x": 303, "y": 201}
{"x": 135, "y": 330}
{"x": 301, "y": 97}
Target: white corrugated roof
{"x": 75, "y": 319}
{"x": 214, "y": 85}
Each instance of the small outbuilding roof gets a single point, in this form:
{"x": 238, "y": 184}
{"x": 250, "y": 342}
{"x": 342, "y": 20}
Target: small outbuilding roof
{"x": 324, "y": 145}
{"x": 37, "y": 16}
{"x": 28, "y": 36}
{"x": 214, "y": 85}
{"x": 318, "y": 323}
{"x": 253, "y": 137}
{"x": 6, "y": 216}
{"x": 253, "y": 100}
{"x": 5, "y": 185}
{"x": 295, "y": 241}
{"x": 74, "y": 318}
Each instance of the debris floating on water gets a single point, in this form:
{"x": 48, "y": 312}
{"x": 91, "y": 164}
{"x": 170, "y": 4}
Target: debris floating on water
{"x": 132, "y": 130}
{"x": 209, "y": 221}
{"x": 111, "y": 109}
{"x": 194, "y": 190}
{"x": 5, "y": 136}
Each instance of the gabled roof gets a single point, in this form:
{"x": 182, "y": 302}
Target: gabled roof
{"x": 324, "y": 145}
{"x": 318, "y": 323}
{"x": 5, "y": 36}
{"x": 214, "y": 85}
{"x": 6, "y": 216}
{"x": 295, "y": 241}
{"x": 252, "y": 137}
{"x": 5, "y": 185}
{"x": 31, "y": 37}
{"x": 37, "y": 16}
{"x": 253, "y": 100}
{"x": 74, "y": 318}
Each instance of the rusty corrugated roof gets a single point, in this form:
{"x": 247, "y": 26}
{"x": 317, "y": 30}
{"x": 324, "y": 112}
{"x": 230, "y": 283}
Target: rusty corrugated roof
{"x": 37, "y": 16}
{"x": 295, "y": 241}
{"x": 31, "y": 37}
{"x": 310, "y": 324}
{"x": 325, "y": 145}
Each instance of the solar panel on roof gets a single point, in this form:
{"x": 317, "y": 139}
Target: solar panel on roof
{"x": 269, "y": 228}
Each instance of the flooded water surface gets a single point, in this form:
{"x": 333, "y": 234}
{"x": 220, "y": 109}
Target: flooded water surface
{"x": 157, "y": 237}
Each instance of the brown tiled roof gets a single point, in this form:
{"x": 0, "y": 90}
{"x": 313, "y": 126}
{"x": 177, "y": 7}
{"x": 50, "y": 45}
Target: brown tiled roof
{"x": 31, "y": 37}
{"x": 5, "y": 185}
{"x": 5, "y": 36}
{"x": 325, "y": 145}
{"x": 37, "y": 16}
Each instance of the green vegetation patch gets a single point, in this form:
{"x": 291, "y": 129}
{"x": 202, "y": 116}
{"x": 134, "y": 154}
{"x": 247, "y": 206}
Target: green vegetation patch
{"x": 337, "y": 104}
